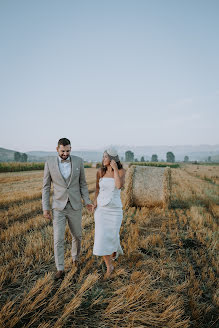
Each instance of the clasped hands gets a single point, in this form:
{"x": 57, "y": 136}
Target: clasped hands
{"x": 91, "y": 207}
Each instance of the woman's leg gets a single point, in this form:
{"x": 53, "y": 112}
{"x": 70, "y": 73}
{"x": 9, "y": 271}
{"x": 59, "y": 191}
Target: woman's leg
{"x": 110, "y": 267}
{"x": 113, "y": 256}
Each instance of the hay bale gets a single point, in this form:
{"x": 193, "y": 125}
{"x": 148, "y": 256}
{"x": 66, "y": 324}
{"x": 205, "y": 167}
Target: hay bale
{"x": 147, "y": 186}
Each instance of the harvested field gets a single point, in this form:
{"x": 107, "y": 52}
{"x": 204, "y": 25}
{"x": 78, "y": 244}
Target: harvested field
{"x": 209, "y": 173}
{"x": 167, "y": 277}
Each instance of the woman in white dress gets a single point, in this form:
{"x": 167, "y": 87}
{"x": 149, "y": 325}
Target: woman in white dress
{"x": 108, "y": 209}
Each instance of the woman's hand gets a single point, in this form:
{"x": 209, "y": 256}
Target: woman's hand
{"x": 47, "y": 214}
{"x": 113, "y": 164}
{"x": 94, "y": 205}
{"x": 90, "y": 207}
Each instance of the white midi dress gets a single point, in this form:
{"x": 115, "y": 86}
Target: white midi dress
{"x": 108, "y": 218}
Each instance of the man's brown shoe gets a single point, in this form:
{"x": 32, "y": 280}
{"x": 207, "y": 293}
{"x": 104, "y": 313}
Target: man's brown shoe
{"x": 59, "y": 275}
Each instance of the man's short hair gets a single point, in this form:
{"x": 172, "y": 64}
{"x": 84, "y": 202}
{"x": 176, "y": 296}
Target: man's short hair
{"x": 64, "y": 142}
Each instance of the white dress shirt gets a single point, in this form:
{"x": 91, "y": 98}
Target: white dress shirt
{"x": 65, "y": 168}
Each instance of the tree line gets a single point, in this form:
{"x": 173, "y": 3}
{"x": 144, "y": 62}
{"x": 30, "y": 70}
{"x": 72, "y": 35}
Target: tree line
{"x": 170, "y": 157}
{"x": 20, "y": 157}
{"x": 129, "y": 157}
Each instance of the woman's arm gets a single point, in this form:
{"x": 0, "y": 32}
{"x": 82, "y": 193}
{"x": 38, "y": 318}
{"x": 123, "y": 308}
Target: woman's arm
{"x": 119, "y": 175}
{"x": 97, "y": 188}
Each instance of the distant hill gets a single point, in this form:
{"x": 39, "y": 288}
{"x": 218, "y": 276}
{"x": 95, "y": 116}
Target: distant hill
{"x": 6, "y": 155}
{"x": 93, "y": 156}
{"x": 195, "y": 153}
{"x": 215, "y": 158}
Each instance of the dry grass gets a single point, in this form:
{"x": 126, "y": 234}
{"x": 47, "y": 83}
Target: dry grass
{"x": 209, "y": 173}
{"x": 167, "y": 277}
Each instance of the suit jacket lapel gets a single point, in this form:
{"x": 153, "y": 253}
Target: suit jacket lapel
{"x": 58, "y": 170}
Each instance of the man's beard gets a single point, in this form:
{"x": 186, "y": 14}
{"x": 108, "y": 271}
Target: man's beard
{"x": 64, "y": 157}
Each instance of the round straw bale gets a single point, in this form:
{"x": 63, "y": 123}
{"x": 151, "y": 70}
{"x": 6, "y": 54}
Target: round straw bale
{"x": 147, "y": 186}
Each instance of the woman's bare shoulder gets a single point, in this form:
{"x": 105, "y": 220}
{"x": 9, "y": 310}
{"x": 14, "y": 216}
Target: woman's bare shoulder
{"x": 99, "y": 173}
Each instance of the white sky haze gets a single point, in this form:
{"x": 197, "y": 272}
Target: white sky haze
{"x": 142, "y": 72}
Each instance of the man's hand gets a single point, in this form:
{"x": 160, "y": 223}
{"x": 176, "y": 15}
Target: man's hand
{"x": 47, "y": 214}
{"x": 90, "y": 207}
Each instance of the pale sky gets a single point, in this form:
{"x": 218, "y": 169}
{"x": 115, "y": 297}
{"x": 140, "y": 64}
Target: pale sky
{"x": 101, "y": 72}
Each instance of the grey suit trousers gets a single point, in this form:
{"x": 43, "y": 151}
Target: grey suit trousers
{"x": 74, "y": 222}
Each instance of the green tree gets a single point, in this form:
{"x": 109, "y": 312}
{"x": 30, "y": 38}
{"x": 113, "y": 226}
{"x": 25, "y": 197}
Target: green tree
{"x": 209, "y": 158}
{"x": 186, "y": 159}
{"x": 136, "y": 160}
{"x": 23, "y": 157}
{"x": 129, "y": 156}
{"x": 170, "y": 157}
{"x": 154, "y": 158}
{"x": 142, "y": 159}
{"x": 17, "y": 156}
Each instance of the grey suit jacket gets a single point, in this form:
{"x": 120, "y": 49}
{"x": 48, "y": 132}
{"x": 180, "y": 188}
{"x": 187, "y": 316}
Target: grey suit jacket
{"x": 74, "y": 190}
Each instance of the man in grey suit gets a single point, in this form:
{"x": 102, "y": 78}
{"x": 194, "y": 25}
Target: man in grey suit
{"x": 67, "y": 175}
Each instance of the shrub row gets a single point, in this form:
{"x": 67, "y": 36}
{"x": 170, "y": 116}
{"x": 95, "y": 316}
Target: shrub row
{"x": 157, "y": 164}
{"x": 29, "y": 166}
